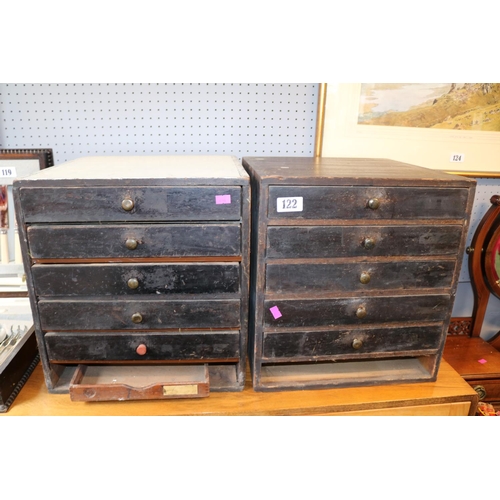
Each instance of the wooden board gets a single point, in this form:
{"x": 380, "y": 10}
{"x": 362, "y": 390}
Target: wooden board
{"x": 448, "y": 395}
{"x": 124, "y": 383}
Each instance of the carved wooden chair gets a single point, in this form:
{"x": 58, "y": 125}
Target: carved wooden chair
{"x": 477, "y": 360}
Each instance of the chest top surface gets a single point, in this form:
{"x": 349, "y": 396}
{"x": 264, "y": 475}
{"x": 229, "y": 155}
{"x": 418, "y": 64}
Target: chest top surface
{"x": 347, "y": 171}
{"x": 190, "y": 168}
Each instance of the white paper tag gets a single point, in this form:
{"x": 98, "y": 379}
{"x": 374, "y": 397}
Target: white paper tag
{"x": 291, "y": 204}
{"x": 8, "y": 172}
{"x": 457, "y": 158}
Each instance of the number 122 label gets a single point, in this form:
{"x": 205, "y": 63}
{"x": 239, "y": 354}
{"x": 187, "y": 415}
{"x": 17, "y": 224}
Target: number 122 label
{"x": 294, "y": 204}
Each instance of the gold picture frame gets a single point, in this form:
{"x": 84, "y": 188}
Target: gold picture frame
{"x": 340, "y": 135}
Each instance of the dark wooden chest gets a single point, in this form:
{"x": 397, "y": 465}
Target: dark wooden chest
{"x": 355, "y": 265}
{"x": 139, "y": 261}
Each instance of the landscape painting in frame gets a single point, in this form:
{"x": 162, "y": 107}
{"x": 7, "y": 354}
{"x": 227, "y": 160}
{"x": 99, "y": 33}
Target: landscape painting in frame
{"x": 453, "y": 106}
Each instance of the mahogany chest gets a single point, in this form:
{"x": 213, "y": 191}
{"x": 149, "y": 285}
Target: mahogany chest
{"x": 355, "y": 265}
{"x": 138, "y": 267}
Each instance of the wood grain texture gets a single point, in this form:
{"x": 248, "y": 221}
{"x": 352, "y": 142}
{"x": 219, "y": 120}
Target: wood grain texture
{"x": 349, "y": 344}
{"x": 153, "y": 241}
{"x": 62, "y": 204}
{"x": 104, "y": 383}
{"x": 157, "y": 314}
{"x": 85, "y": 347}
{"x": 115, "y": 279}
{"x": 306, "y": 277}
{"x": 107, "y": 240}
{"x": 342, "y": 202}
{"x": 349, "y": 241}
{"x": 476, "y": 359}
{"x": 348, "y": 172}
{"x": 342, "y": 311}
{"x": 449, "y": 394}
{"x": 352, "y": 252}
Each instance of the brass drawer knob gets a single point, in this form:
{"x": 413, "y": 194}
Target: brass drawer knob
{"x": 133, "y": 283}
{"x": 365, "y": 278}
{"x": 137, "y": 318}
{"x": 373, "y": 203}
{"x": 481, "y": 392}
{"x": 127, "y": 204}
{"x": 131, "y": 243}
{"x": 368, "y": 243}
{"x": 361, "y": 312}
{"x": 141, "y": 349}
{"x": 357, "y": 344}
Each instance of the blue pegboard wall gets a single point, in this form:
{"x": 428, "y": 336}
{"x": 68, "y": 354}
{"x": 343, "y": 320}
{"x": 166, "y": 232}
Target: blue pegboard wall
{"x": 240, "y": 119}
{"x": 87, "y": 119}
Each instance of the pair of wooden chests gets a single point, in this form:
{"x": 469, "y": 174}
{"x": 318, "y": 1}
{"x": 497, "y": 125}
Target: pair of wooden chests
{"x": 155, "y": 276}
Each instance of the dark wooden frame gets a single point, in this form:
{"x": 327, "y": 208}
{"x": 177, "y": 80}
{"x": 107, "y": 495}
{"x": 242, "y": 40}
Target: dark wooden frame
{"x": 475, "y": 359}
{"x": 44, "y": 156}
{"x": 59, "y": 375}
{"x": 45, "y": 159}
{"x": 482, "y": 278}
{"x": 343, "y": 177}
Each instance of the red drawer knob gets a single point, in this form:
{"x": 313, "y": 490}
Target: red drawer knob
{"x": 141, "y": 349}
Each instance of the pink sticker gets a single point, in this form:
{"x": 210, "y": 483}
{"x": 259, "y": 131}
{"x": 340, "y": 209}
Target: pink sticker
{"x": 275, "y": 312}
{"x": 482, "y": 361}
{"x": 223, "y": 199}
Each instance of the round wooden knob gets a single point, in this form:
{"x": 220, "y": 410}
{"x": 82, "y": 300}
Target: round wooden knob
{"x": 361, "y": 312}
{"x": 137, "y": 317}
{"x": 133, "y": 283}
{"x": 141, "y": 349}
{"x": 365, "y": 278}
{"x": 127, "y": 204}
{"x": 369, "y": 243}
{"x": 357, "y": 344}
{"x": 131, "y": 243}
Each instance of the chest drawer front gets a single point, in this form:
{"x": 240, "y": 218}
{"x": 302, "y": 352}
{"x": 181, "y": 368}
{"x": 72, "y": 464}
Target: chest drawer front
{"x": 362, "y": 241}
{"x": 123, "y": 346}
{"x": 355, "y": 311}
{"x": 310, "y": 345}
{"x": 345, "y": 202}
{"x": 133, "y": 241}
{"x": 491, "y": 388}
{"x": 138, "y": 314}
{"x": 363, "y": 276}
{"x": 66, "y": 204}
{"x": 136, "y": 279}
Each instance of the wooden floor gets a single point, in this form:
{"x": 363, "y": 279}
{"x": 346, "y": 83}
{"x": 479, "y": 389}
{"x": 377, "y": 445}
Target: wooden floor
{"x": 449, "y": 395}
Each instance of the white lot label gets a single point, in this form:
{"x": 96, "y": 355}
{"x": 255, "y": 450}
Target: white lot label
{"x": 457, "y": 158}
{"x": 294, "y": 204}
{"x": 8, "y": 172}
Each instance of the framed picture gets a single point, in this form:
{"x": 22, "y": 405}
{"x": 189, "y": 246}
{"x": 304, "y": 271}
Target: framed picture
{"x": 15, "y": 163}
{"x": 453, "y": 127}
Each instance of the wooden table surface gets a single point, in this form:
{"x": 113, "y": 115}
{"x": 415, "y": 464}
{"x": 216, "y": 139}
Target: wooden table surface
{"x": 449, "y": 395}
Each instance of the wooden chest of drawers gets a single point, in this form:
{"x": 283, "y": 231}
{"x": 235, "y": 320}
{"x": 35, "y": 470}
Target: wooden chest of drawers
{"x": 142, "y": 261}
{"x": 355, "y": 265}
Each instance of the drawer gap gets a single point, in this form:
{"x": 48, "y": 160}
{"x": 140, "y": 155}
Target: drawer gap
{"x": 344, "y": 373}
{"x": 357, "y": 357}
{"x": 144, "y": 260}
